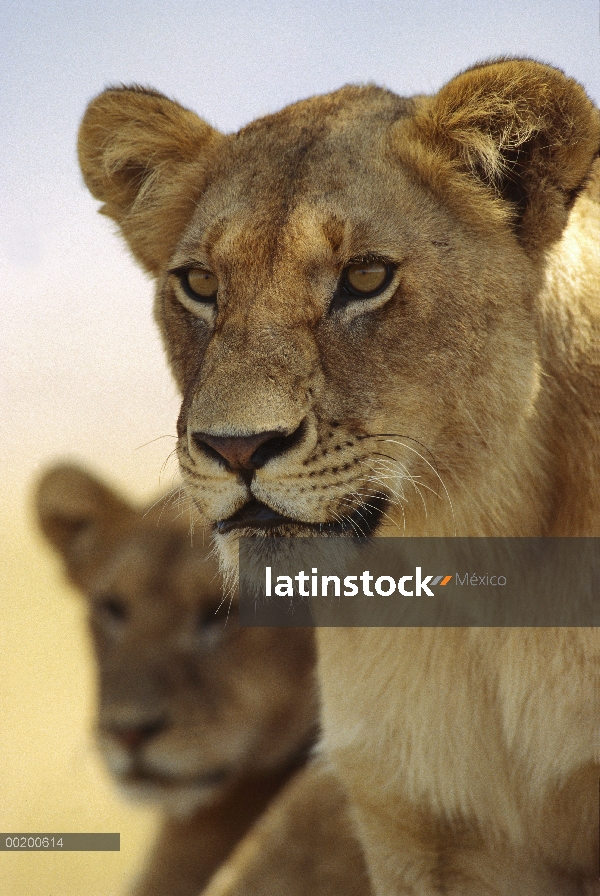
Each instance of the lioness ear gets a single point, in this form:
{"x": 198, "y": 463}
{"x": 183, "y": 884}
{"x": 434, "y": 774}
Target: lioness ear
{"x": 79, "y": 515}
{"x": 145, "y": 157}
{"x": 522, "y": 129}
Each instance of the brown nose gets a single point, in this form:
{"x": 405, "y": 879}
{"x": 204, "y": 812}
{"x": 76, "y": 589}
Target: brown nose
{"x": 246, "y": 452}
{"x": 133, "y": 736}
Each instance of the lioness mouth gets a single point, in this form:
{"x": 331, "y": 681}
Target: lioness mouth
{"x": 254, "y": 515}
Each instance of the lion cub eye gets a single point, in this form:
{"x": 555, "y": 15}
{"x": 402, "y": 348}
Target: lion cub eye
{"x": 214, "y": 624}
{"x": 200, "y": 284}
{"x": 366, "y": 279}
{"x": 110, "y": 612}
{"x": 217, "y": 614}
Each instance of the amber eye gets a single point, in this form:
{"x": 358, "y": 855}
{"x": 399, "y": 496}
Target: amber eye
{"x": 366, "y": 279}
{"x": 200, "y": 284}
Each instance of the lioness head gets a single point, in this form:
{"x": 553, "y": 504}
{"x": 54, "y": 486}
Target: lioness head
{"x": 346, "y": 293}
{"x": 188, "y": 701}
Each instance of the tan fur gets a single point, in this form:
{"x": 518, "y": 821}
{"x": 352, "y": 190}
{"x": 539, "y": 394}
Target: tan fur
{"x": 463, "y": 400}
{"x": 195, "y": 714}
{"x": 303, "y": 845}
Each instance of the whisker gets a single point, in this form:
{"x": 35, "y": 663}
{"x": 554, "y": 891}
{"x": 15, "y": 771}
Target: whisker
{"x": 228, "y": 595}
{"x": 157, "y": 439}
{"x": 383, "y": 480}
{"x": 386, "y": 514}
{"x": 158, "y": 501}
{"x": 442, "y": 483}
{"x": 370, "y": 506}
{"x": 412, "y": 479}
{"x": 410, "y": 475}
{"x": 386, "y": 436}
{"x": 165, "y": 462}
{"x": 348, "y": 519}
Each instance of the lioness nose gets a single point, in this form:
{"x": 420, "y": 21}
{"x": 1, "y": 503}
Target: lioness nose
{"x": 133, "y": 736}
{"x": 247, "y": 452}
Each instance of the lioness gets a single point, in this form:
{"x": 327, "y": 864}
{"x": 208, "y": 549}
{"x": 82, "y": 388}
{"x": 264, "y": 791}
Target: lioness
{"x": 204, "y": 718}
{"x": 379, "y": 323}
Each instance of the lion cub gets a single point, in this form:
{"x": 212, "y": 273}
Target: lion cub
{"x": 196, "y": 714}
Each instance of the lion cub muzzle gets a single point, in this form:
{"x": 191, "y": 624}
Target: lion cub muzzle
{"x": 134, "y": 736}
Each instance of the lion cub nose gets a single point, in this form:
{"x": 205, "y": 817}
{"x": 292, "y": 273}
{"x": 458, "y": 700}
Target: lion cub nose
{"x": 246, "y": 452}
{"x": 133, "y": 736}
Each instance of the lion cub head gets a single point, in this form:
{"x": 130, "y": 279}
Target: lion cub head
{"x": 347, "y": 290}
{"x": 188, "y": 701}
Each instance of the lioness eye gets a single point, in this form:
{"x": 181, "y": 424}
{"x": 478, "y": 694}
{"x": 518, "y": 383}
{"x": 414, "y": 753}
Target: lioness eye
{"x": 366, "y": 279}
{"x": 200, "y": 284}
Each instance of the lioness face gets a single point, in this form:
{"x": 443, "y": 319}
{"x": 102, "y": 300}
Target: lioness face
{"x": 187, "y": 701}
{"x": 326, "y": 379}
{"x": 346, "y": 294}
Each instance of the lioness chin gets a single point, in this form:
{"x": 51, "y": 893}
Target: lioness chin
{"x": 383, "y": 316}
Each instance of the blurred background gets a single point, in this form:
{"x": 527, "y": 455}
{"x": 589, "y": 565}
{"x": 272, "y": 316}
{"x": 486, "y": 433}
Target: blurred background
{"x": 81, "y": 367}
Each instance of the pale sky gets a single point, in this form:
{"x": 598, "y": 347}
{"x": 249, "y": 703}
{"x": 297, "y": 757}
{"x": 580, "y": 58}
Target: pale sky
{"x": 81, "y": 368}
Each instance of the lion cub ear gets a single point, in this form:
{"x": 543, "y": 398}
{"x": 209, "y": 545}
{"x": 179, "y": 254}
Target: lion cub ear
{"x": 522, "y": 129}
{"x": 80, "y": 517}
{"x": 145, "y": 157}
